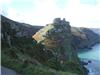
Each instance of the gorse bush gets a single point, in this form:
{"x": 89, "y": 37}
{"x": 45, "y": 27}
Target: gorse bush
{"x": 30, "y": 69}
{"x": 42, "y": 70}
{"x": 11, "y": 63}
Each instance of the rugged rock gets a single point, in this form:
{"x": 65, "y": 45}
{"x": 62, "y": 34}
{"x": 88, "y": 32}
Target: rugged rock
{"x": 59, "y": 41}
{"x": 81, "y": 36}
{"x": 57, "y": 38}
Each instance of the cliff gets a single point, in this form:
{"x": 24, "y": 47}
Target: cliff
{"x": 57, "y": 39}
{"x": 84, "y": 38}
{"x": 11, "y": 29}
{"x": 52, "y": 50}
{"x": 96, "y": 30}
{"x": 45, "y": 54}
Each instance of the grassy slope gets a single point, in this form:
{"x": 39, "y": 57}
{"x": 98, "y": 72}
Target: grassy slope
{"x": 22, "y": 63}
{"x": 28, "y": 58}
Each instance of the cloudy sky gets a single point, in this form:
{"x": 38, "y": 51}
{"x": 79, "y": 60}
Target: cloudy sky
{"x": 80, "y": 13}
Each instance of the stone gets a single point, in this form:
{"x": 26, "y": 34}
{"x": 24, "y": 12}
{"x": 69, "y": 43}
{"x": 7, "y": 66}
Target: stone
{"x": 57, "y": 21}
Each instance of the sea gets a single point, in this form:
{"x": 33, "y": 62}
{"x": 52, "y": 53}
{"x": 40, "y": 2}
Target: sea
{"x": 92, "y": 55}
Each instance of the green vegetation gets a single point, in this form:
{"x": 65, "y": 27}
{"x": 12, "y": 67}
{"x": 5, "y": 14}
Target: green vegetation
{"x": 26, "y": 68}
{"x": 49, "y": 53}
{"x": 22, "y": 60}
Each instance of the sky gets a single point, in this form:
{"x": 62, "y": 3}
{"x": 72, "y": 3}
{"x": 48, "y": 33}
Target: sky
{"x": 80, "y": 13}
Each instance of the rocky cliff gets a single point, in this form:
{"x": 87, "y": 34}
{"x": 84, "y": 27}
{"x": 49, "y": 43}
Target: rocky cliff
{"x": 81, "y": 36}
{"x": 57, "y": 38}
{"x": 52, "y": 48}
{"x": 84, "y": 38}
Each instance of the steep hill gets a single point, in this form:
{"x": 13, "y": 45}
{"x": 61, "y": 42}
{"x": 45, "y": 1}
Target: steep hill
{"x": 51, "y": 50}
{"x": 84, "y": 38}
{"x": 57, "y": 39}
{"x": 96, "y": 30}
{"x": 81, "y": 36}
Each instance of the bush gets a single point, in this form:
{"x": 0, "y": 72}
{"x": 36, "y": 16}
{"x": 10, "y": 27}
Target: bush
{"x": 42, "y": 70}
{"x": 11, "y": 63}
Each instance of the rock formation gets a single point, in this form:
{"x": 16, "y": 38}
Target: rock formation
{"x": 57, "y": 38}
{"x": 55, "y": 47}
{"x": 16, "y": 29}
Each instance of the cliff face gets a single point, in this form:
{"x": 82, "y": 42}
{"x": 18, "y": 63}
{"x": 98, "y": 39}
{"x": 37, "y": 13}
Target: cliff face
{"x": 84, "y": 38}
{"x": 81, "y": 36}
{"x": 92, "y": 37}
{"x": 54, "y": 46}
{"x": 57, "y": 39}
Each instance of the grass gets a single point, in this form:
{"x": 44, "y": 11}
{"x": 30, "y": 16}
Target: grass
{"x": 29, "y": 69}
{"x": 42, "y": 70}
{"x": 19, "y": 59}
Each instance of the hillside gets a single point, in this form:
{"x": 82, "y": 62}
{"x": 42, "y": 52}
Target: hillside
{"x": 84, "y": 38}
{"x": 21, "y": 29}
{"x": 81, "y": 36}
{"x": 45, "y": 53}
{"x": 96, "y": 30}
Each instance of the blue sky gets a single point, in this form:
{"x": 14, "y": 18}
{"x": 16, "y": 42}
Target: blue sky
{"x": 80, "y": 13}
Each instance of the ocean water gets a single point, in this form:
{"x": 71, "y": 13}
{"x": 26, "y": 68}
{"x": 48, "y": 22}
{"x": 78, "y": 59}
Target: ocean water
{"x": 94, "y": 56}
{"x": 93, "y": 53}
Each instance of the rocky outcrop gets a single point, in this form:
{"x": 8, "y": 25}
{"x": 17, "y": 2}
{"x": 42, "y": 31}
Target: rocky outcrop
{"x": 81, "y": 36}
{"x": 55, "y": 47}
{"x": 57, "y": 38}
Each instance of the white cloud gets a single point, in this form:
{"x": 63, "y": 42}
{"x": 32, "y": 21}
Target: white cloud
{"x": 5, "y": 1}
{"x": 84, "y": 15}
{"x": 46, "y": 10}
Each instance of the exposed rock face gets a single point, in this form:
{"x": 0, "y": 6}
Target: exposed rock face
{"x": 11, "y": 29}
{"x": 58, "y": 21}
{"x": 60, "y": 41}
{"x": 57, "y": 38}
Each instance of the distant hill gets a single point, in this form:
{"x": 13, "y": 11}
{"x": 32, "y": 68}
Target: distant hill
{"x": 21, "y": 29}
{"x": 84, "y": 37}
{"x": 96, "y": 30}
